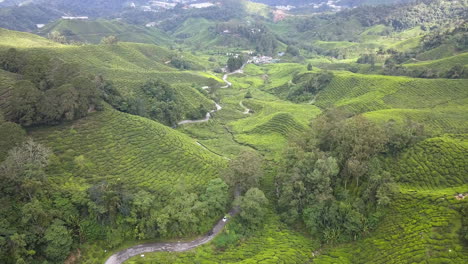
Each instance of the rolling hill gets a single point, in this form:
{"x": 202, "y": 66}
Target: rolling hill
{"x": 92, "y": 31}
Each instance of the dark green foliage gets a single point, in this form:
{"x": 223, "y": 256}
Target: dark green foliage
{"x": 58, "y": 240}
{"x": 456, "y": 72}
{"x": 11, "y": 135}
{"x": 367, "y": 59}
{"x": 12, "y": 60}
{"x": 253, "y": 208}
{"x": 158, "y": 102}
{"x": 244, "y": 172}
{"x": 264, "y": 41}
{"x": 180, "y": 63}
{"x": 37, "y": 214}
{"x": 110, "y": 94}
{"x": 464, "y": 229}
{"x": 332, "y": 180}
{"x": 308, "y": 85}
{"x": 53, "y": 91}
{"x": 248, "y": 95}
{"x": 235, "y": 63}
{"x": 309, "y": 67}
{"x": 293, "y": 51}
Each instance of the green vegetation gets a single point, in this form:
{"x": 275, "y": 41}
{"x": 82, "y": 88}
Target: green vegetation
{"x": 93, "y": 31}
{"x": 348, "y": 145}
{"x": 434, "y": 163}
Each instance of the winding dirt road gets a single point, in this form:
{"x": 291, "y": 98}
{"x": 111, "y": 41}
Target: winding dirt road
{"x": 123, "y": 255}
{"x": 218, "y": 107}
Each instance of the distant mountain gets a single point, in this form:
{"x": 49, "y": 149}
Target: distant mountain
{"x": 342, "y": 3}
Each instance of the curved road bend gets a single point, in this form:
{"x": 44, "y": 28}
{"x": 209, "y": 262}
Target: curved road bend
{"x": 218, "y": 107}
{"x": 123, "y": 255}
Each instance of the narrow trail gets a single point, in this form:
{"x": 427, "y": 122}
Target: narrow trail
{"x": 123, "y": 255}
{"x": 218, "y": 107}
{"x": 247, "y": 110}
{"x": 229, "y": 84}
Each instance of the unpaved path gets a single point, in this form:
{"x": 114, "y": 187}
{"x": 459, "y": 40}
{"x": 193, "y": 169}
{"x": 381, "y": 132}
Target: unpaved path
{"x": 246, "y": 111}
{"x": 218, "y": 107}
{"x": 207, "y": 117}
{"x": 123, "y": 255}
{"x": 229, "y": 84}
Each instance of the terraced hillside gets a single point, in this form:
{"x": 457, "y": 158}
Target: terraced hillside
{"x": 421, "y": 227}
{"x": 272, "y": 124}
{"x": 114, "y": 146}
{"x": 127, "y": 65}
{"x": 441, "y": 65}
{"x": 435, "y": 102}
{"x": 434, "y": 163}
{"x": 92, "y": 31}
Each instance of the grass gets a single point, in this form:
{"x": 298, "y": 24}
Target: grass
{"x": 114, "y": 146}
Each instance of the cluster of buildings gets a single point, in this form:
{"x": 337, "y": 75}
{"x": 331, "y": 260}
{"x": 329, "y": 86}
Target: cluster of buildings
{"x": 75, "y": 17}
{"x": 332, "y": 4}
{"x": 262, "y": 60}
{"x": 154, "y": 6}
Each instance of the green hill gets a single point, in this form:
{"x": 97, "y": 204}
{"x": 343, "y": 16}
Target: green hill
{"x": 141, "y": 153}
{"x": 434, "y": 102}
{"x": 92, "y": 31}
{"x": 127, "y": 65}
{"x": 18, "y": 39}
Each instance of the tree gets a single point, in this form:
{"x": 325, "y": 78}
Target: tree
{"x": 59, "y": 241}
{"x": 309, "y": 67}
{"x": 253, "y": 207}
{"x": 216, "y": 197}
{"x": 24, "y": 103}
{"x": 248, "y": 95}
{"x": 235, "y": 63}
{"x": 110, "y": 40}
{"x": 11, "y": 135}
{"x": 293, "y": 51}
{"x": 23, "y": 169}
{"x": 57, "y": 37}
{"x": 457, "y": 71}
{"x": 12, "y": 60}
{"x": 244, "y": 171}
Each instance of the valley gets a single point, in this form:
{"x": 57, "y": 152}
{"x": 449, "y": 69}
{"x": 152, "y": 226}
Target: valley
{"x": 214, "y": 132}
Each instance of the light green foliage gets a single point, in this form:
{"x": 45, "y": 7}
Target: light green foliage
{"x": 17, "y": 39}
{"x": 114, "y": 143}
{"x": 272, "y": 122}
{"x": 432, "y": 102}
{"x": 433, "y": 163}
